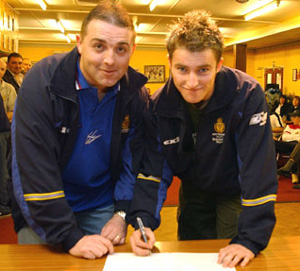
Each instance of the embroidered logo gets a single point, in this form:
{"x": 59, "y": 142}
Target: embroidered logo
{"x": 259, "y": 118}
{"x": 125, "y": 124}
{"x": 171, "y": 141}
{"x": 219, "y": 128}
{"x": 92, "y": 136}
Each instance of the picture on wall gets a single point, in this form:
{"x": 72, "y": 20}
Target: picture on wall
{"x": 155, "y": 73}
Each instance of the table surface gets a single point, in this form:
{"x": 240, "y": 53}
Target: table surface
{"x": 282, "y": 254}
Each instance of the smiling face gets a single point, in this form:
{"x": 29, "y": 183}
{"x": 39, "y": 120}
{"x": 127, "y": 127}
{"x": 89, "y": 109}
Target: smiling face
{"x": 194, "y": 73}
{"x": 105, "y": 53}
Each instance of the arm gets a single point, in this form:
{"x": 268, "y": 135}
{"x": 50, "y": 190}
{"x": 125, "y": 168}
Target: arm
{"x": 257, "y": 167}
{"x": 37, "y": 180}
{"x": 132, "y": 153}
{"x": 150, "y": 189}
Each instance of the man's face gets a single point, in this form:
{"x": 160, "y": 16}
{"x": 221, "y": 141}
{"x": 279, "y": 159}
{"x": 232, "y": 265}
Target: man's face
{"x": 194, "y": 73}
{"x": 105, "y": 53}
{"x": 295, "y": 102}
{"x": 2, "y": 69}
{"x": 26, "y": 65}
{"x": 15, "y": 64}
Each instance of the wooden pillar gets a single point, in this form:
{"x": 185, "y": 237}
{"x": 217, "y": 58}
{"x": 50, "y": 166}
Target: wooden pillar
{"x": 240, "y": 56}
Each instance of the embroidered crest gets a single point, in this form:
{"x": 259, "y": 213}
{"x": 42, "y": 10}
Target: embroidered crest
{"x": 126, "y": 124}
{"x": 219, "y": 126}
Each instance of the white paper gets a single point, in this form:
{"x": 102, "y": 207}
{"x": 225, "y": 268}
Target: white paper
{"x": 164, "y": 262}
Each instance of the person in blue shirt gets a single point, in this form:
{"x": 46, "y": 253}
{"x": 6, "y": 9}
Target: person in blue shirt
{"x": 209, "y": 125}
{"x": 77, "y": 139}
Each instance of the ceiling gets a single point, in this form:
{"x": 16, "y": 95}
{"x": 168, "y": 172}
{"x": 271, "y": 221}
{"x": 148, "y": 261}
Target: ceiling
{"x": 277, "y": 27}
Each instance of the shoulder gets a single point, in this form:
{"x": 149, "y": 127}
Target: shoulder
{"x": 7, "y": 86}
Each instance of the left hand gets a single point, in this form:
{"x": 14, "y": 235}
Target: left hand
{"x": 115, "y": 230}
{"x": 231, "y": 255}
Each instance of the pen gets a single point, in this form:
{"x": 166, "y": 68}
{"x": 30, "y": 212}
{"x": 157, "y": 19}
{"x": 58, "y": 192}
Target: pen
{"x": 142, "y": 229}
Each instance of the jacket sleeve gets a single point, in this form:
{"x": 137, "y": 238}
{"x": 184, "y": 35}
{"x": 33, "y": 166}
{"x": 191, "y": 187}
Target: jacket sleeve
{"x": 132, "y": 153}
{"x": 258, "y": 179}
{"x": 36, "y": 152}
{"x": 153, "y": 180}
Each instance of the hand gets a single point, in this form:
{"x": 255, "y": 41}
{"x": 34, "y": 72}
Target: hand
{"x": 92, "y": 247}
{"x": 231, "y": 255}
{"x": 115, "y": 230}
{"x": 138, "y": 246}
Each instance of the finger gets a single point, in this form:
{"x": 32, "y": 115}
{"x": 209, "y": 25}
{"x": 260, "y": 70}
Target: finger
{"x": 117, "y": 239}
{"x": 107, "y": 243}
{"x": 245, "y": 261}
{"x": 235, "y": 261}
{"x": 89, "y": 255}
{"x": 138, "y": 251}
{"x": 227, "y": 260}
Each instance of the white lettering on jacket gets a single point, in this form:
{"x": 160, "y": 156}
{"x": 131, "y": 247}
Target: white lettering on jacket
{"x": 259, "y": 118}
{"x": 171, "y": 141}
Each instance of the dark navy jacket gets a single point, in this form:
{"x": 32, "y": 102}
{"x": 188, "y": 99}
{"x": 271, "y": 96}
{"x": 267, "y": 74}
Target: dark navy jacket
{"x": 231, "y": 152}
{"x": 44, "y": 130}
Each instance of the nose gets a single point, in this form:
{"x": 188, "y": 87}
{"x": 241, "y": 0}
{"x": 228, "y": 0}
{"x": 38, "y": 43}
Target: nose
{"x": 192, "y": 80}
{"x": 109, "y": 57}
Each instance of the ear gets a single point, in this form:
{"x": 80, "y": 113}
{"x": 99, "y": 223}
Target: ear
{"x": 220, "y": 63}
{"x": 79, "y": 43}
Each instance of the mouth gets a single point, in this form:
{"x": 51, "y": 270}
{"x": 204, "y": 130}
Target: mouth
{"x": 109, "y": 71}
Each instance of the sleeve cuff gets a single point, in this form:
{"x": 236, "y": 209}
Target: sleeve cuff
{"x": 248, "y": 244}
{"x": 72, "y": 238}
{"x": 122, "y": 205}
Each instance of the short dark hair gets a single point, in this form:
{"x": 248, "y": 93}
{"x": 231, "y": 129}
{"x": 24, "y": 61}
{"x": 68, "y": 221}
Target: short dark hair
{"x": 111, "y": 12}
{"x": 14, "y": 54}
{"x": 196, "y": 31}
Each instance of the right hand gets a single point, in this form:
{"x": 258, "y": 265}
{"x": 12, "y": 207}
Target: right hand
{"x": 138, "y": 246}
{"x": 92, "y": 247}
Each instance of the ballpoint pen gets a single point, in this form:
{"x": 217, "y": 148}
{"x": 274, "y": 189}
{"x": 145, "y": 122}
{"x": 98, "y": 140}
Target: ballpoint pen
{"x": 142, "y": 229}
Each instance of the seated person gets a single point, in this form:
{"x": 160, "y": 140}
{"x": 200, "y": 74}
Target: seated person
{"x": 273, "y": 97}
{"x": 290, "y": 139}
{"x": 284, "y": 107}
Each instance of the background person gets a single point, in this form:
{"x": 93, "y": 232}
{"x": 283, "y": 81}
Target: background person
{"x": 26, "y": 65}
{"x": 75, "y": 139}
{"x": 289, "y": 143}
{"x": 209, "y": 126}
{"x": 13, "y": 73}
{"x": 7, "y": 91}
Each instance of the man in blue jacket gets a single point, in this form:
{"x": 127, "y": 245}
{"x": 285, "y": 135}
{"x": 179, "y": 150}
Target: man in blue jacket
{"x": 76, "y": 139}
{"x": 209, "y": 125}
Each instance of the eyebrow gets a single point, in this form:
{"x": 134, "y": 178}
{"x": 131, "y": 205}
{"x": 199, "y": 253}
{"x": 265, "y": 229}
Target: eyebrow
{"x": 104, "y": 41}
{"x": 184, "y": 65}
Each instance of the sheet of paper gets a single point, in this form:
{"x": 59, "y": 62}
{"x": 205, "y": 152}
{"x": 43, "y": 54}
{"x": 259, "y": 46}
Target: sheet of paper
{"x": 164, "y": 262}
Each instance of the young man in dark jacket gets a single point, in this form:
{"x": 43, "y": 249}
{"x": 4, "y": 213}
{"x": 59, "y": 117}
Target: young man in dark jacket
{"x": 209, "y": 125}
{"x": 75, "y": 134}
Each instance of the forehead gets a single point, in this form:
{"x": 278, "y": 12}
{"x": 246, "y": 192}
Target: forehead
{"x": 99, "y": 29}
{"x": 200, "y": 58}
{"x": 2, "y": 64}
{"x": 15, "y": 59}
